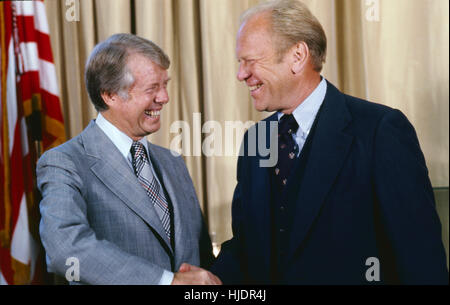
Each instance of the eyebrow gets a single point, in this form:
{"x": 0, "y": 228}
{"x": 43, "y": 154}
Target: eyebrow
{"x": 157, "y": 84}
{"x": 247, "y": 57}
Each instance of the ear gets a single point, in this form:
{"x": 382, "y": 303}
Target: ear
{"x": 300, "y": 53}
{"x": 109, "y": 98}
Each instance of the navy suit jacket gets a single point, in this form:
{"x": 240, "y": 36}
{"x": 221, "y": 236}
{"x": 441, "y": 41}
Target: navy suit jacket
{"x": 365, "y": 193}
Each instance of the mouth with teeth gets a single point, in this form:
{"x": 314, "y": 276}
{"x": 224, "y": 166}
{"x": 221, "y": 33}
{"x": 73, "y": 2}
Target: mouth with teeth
{"x": 153, "y": 113}
{"x": 255, "y": 89}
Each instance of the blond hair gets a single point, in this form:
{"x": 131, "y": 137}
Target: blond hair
{"x": 293, "y": 22}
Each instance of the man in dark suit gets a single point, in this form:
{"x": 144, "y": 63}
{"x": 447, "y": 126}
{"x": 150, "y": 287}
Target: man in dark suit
{"x": 349, "y": 200}
{"x": 122, "y": 208}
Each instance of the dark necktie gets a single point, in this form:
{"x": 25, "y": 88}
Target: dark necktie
{"x": 287, "y": 149}
{"x": 151, "y": 185}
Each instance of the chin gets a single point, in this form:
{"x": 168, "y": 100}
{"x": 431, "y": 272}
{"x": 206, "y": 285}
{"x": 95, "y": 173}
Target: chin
{"x": 153, "y": 130}
{"x": 147, "y": 132}
{"x": 259, "y": 106}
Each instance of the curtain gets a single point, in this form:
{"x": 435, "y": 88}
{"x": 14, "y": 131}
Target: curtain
{"x": 390, "y": 52}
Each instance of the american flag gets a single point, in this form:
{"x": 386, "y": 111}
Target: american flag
{"x": 30, "y": 122}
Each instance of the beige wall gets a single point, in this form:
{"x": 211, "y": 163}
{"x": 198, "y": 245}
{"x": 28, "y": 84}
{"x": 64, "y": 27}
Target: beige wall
{"x": 400, "y": 60}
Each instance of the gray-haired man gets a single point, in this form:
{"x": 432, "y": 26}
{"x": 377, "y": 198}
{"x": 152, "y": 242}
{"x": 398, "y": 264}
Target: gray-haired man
{"x": 126, "y": 209}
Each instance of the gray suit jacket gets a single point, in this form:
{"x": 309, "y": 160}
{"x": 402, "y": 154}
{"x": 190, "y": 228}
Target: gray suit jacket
{"x": 95, "y": 210}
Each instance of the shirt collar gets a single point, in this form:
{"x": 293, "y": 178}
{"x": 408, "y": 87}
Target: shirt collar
{"x": 306, "y": 112}
{"x": 120, "y": 139}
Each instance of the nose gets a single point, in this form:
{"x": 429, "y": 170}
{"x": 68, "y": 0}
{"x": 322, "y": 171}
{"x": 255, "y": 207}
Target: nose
{"x": 163, "y": 96}
{"x": 243, "y": 72}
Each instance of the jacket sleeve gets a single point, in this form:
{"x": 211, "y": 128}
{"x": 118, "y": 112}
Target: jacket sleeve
{"x": 67, "y": 235}
{"x": 406, "y": 203}
{"x": 205, "y": 245}
{"x": 228, "y": 265}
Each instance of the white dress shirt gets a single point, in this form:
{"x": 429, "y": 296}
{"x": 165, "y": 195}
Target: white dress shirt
{"x": 306, "y": 113}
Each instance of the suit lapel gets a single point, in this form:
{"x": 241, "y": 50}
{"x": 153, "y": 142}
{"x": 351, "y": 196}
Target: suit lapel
{"x": 168, "y": 177}
{"x": 260, "y": 199}
{"x": 329, "y": 149}
{"x": 113, "y": 170}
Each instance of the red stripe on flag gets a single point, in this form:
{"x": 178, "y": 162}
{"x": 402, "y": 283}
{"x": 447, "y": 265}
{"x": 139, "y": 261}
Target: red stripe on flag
{"x": 6, "y": 24}
{"x": 5, "y": 265}
{"x": 50, "y": 105}
{"x": 28, "y": 33}
{"x": 44, "y": 47}
{"x": 29, "y": 84}
{"x": 25, "y": 28}
{"x": 17, "y": 183}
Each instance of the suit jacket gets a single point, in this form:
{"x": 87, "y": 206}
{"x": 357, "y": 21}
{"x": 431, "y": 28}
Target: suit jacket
{"x": 94, "y": 209}
{"x": 365, "y": 193}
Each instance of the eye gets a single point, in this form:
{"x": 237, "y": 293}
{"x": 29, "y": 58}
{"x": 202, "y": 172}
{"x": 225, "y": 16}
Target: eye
{"x": 151, "y": 89}
{"x": 166, "y": 82}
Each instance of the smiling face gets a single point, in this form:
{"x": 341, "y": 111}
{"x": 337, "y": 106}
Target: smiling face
{"x": 139, "y": 115}
{"x": 270, "y": 81}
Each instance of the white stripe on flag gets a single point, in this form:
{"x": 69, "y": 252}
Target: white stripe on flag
{"x": 29, "y": 51}
{"x": 24, "y": 8}
{"x": 40, "y": 18}
{"x": 24, "y": 136}
{"x": 47, "y": 71}
{"x": 11, "y": 95}
{"x": 2, "y": 279}
{"x": 23, "y": 247}
{"x": 47, "y": 77}
{"x": 21, "y": 239}
{"x": 36, "y": 9}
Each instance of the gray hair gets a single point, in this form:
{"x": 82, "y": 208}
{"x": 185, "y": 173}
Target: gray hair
{"x": 293, "y": 22}
{"x": 106, "y": 69}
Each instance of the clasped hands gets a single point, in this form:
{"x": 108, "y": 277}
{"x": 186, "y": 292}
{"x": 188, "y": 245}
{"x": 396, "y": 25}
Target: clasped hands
{"x": 193, "y": 275}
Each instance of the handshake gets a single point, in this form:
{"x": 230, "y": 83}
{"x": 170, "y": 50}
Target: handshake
{"x": 193, "y": 275}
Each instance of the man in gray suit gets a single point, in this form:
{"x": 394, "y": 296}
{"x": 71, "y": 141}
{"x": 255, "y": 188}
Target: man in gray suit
{"x": 123, "y": 209}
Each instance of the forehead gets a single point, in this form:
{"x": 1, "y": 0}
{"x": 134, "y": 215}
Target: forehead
{"x": 145, "y": 69}
{"x": 254, "y": 37}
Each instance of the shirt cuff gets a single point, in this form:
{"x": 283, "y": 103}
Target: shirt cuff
{"x": 166, "y": 278}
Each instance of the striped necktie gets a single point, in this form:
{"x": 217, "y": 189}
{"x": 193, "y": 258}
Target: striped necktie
{"x": 151, "y": 185}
